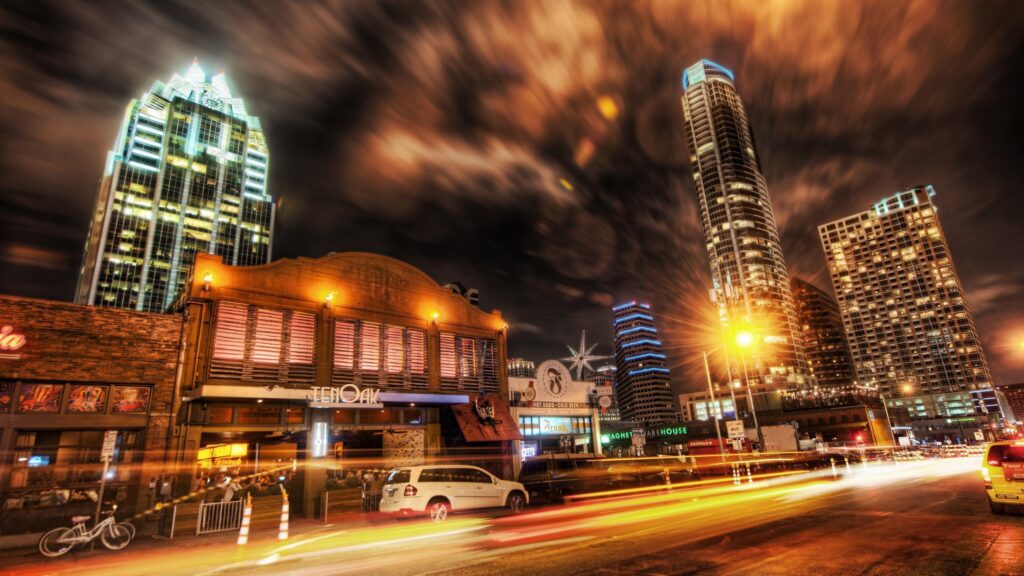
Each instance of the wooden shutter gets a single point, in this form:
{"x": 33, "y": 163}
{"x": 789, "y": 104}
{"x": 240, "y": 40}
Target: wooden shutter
{"x": 344, "y": 352}
{"x": 449, "y": 364}
{"x": 229, "y": 340}
{"x": 301, "y": 347}
{"x": 417, "y": 354}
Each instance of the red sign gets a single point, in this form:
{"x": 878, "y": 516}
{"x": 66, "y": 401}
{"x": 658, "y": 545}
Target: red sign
{"x": 1013, "y": 471}
{"x": 11, "y": 340}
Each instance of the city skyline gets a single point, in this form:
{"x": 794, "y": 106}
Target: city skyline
{"x": 607, "y": 160}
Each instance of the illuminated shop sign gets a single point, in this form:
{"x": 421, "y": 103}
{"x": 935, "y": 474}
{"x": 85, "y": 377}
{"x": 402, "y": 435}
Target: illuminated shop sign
{"x": 10, "y": 341}
{"x": 220, "y": 455}
{"x": 667, "y": 431}
{"x": 347, "y": 394}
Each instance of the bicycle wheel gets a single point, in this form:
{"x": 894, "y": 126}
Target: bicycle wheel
{"x": 129, "y": 526}
{"x": 51, "y": 547}
{"x": 116, "y": 537}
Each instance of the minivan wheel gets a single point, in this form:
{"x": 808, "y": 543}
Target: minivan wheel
{"x": 997, "y": 508}
{"x": 516, "y": 502}
{"x": 439, "y": 510}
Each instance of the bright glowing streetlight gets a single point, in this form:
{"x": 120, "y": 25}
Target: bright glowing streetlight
{"x": 744, "y": 339}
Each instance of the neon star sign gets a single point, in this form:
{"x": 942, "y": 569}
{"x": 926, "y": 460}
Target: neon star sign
{"x": 10, "y": 342}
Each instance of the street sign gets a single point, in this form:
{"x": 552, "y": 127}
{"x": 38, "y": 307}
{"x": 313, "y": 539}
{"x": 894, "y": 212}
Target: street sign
{"x": 109, "y": 441}
{"x": 735, "y": 428}
{"x": 979, "y": 435}
{"x": 639, "y": 437}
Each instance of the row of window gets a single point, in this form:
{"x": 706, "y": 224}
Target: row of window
{"x": 261, "y": 344}
{"x": 58, "y": 398}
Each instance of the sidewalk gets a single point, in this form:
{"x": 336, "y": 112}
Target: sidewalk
{"x": 18, "y": 560}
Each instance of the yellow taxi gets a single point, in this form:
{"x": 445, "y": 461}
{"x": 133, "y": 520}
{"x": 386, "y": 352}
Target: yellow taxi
{"x": 1003, "y": 472}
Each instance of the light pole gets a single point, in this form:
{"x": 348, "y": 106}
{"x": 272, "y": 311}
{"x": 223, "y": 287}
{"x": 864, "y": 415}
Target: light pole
{"x": 885, "y": 408}
{"x": 745, "y": 340}
{"x": 715, "y": 408}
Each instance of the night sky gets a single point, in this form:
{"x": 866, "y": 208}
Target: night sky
{"x": 535, "y": 150}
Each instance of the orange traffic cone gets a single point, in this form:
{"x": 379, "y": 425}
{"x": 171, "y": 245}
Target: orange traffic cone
{"x": 282, "y": 532}
{"x": 243, "y": 531}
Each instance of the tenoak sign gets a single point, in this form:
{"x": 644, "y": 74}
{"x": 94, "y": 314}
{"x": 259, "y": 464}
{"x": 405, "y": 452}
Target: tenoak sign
{"x": 345, "y": 394}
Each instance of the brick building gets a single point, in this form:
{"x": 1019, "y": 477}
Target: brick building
{"x": 68, "y": 373}
{"x": 331, "y": 366}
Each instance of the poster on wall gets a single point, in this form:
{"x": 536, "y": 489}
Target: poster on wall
{"x": 404, "y": 447}
{"x": 87, "y": 399}
{"x": 40, "y": 397}
{"x": 6, "y": 396}
{"x": 130, "y": 400}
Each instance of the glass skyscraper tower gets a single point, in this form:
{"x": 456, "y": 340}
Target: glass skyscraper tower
{"x": 741, "y": 237}
{"x": 187, "y": 174}
{"x": 642, "y": 386}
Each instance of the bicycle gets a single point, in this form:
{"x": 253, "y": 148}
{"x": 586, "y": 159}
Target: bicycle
{"x": 113, "y": 534}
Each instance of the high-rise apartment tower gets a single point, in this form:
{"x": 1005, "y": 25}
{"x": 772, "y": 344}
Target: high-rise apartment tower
{"x": 741, "y": 237}
{"x": 903, "y": 307}
{"x": 822, "y": 335}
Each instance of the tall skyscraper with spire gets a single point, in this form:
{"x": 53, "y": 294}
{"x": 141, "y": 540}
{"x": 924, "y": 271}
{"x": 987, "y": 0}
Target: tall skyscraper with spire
{"x": 187, "y": 174}
{"x": 742, "y": 240}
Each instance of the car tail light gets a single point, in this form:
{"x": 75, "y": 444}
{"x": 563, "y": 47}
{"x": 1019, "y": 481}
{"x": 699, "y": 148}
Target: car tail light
{"x": 985, "y": 475}
{"x": 410, "y": 490}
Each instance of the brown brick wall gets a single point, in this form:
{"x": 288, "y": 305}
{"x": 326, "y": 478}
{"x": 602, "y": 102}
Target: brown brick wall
{"x": 72, "y": 343}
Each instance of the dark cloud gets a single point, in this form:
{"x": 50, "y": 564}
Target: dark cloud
{"x": 534, "y": 150}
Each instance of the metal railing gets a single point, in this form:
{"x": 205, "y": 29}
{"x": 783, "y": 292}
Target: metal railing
{"x": 219, "y": 516}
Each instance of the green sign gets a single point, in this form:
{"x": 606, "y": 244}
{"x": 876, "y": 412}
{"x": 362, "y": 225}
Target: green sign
{"x": 669, "y": 431}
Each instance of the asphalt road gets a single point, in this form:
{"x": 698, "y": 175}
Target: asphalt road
{"x": 910, "y": 518}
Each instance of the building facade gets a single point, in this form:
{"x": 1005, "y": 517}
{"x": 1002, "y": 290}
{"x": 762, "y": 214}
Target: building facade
{"x": 741, "y": 236}
{"x": 555, "y": 413}
{"x": 903, "y": 308}
{"x": 350, "y": 361}
{"x": 643, "y": 389}
{"x": 187, "y": 175}
{"x": 821, "y": 331}
{"x": 1013, "y": 401}
{"x": 521, "y": 368}
{"x": 69, "y": 375}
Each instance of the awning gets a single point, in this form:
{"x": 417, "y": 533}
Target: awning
{"x": 486, "y": 419}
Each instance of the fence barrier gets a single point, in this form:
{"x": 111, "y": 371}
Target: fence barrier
{"x": 219, "y": 516}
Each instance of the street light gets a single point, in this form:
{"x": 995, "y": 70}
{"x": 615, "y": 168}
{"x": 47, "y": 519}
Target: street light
{"x": 715, "y": 408}
{"x": 746, "y": 340}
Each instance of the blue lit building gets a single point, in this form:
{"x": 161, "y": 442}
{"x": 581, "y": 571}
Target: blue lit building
{"x": 642, "y": 386}
{"x": 187, "y": 175}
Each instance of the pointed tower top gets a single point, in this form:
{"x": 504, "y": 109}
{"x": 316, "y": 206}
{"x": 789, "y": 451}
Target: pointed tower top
{"x": 195, "y": 73}
{"x": 220, "y": 86}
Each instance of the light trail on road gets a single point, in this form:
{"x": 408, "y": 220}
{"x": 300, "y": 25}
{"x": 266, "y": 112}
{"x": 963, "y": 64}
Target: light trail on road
{"x": 692, "y": 510}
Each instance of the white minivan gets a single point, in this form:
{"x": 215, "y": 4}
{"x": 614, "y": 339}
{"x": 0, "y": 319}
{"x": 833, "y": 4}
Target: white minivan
{"x": 441, "y": 489}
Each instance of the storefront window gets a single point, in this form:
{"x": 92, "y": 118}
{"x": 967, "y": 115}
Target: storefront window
{"x": 40, "y": 397}
{"x": 130, "y": 400}
{"x": 87, "y": 399}
{"x": 295, "y": 415}
{"x": 259, "y": 415}
{"x": 412, "y": 417}
{"x": 220, "y": 414}
{"x": 68, "y": 458}
{"x": 374, "y": 416}
{"x": 6, "y": 396}
{"x": 344, "y": 416}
